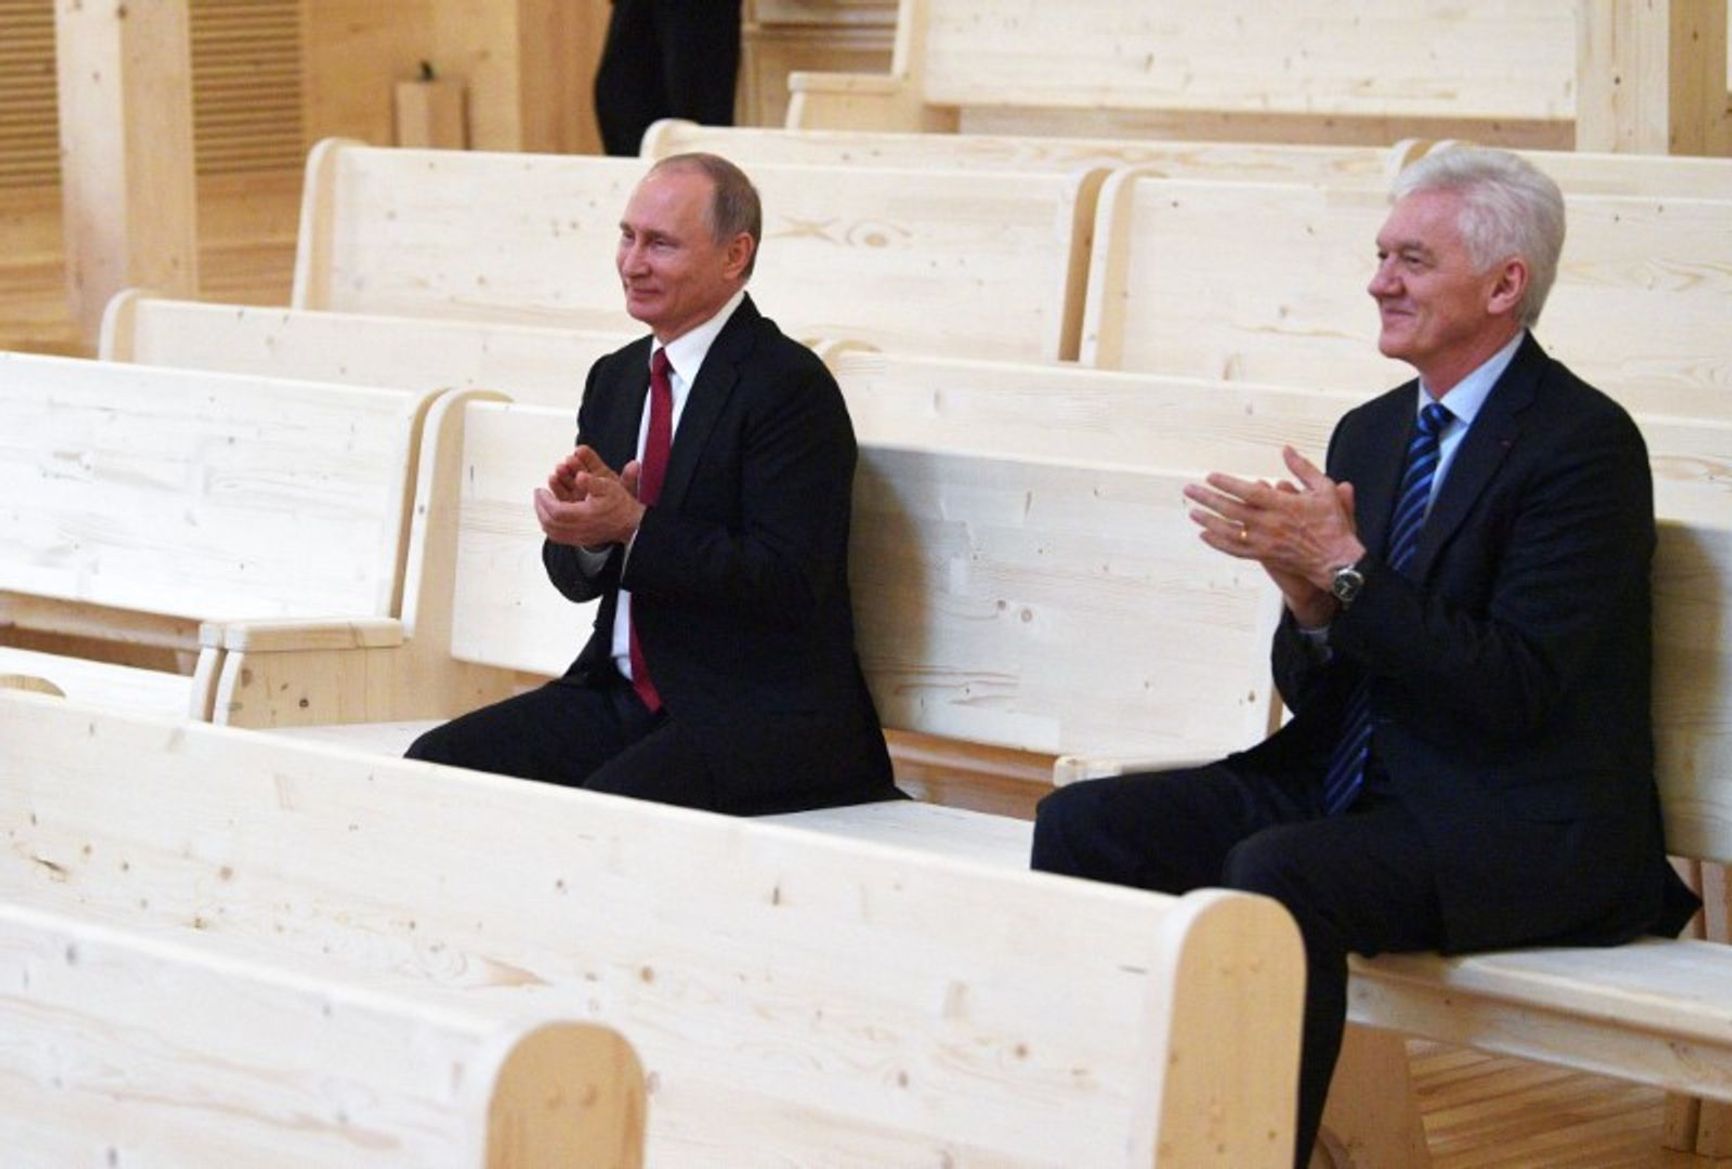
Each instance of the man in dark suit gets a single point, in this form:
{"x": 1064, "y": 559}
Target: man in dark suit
{"x": 707, "y": 504}
{"x": 1465, "y": 647}
{"x": 666, "y": 59}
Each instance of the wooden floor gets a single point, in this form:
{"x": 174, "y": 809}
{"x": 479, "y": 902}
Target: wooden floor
{"x": 1480, "y": 1111}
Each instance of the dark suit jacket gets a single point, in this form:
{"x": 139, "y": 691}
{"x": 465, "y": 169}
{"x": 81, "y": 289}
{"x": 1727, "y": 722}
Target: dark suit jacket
{"x": 739, "y": 573}
{"x": 1510, "y": 669}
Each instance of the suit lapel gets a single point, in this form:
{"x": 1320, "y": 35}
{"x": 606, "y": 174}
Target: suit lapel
{"x": 1483, "y": 450}
{"x": 616, "y": 440}
{"x": 708, "y": 398}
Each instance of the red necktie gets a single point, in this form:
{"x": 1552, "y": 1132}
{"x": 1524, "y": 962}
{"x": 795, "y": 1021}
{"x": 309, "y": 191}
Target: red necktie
{"x": 649, "y": 488}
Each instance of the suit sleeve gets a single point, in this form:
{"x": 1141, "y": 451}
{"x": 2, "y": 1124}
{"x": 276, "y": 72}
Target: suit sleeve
{"x": 777, "y": 557}
{"x": 1559, "y": 573}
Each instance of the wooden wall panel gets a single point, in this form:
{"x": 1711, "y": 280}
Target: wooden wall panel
{"x": 246, "y": 80}
{"x": 246, "y": 85}
{"x": 29, "y": 114}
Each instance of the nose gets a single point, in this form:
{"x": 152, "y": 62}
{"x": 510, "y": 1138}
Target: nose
{"x": 1383, "y": 280}
{"x": 631, "y": 257}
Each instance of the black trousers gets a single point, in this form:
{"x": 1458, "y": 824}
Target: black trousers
{"x": 598, "y": 738}
{"x": 1360, "y": 882}
{"x": 666, "y": 59}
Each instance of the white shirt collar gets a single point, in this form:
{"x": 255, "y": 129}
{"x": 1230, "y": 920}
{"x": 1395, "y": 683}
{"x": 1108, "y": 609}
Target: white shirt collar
{"x": 686, "y": 352}
{"x": 1465, "y": 398}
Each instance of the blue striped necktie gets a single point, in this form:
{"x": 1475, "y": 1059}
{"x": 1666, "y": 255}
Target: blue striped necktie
{"x": 1346, "y": 774}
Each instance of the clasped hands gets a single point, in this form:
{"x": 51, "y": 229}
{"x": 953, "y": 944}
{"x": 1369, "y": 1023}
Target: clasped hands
{"x": 1300, "y": 532}
{"x": 586, "y": 504}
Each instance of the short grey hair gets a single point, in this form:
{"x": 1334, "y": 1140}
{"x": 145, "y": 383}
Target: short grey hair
{"x": 1509, "y": 208}
{"x": 734, "y": 204}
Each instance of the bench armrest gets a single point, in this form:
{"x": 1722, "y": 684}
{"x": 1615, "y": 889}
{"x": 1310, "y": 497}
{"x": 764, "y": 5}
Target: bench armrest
{"x": 299, "y": 634}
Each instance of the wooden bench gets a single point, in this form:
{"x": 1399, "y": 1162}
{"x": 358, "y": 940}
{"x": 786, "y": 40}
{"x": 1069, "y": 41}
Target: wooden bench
{"x": 899, "y": 258}
{"x": 751, "y": 146}
{"x": 984, "y": 589}
{"x": 1656, "y": 1012}
{"x": 124, "y": 1048}
{"x": 794, "y": 999}
{"x": 142, "y": 502}
{"x": 1181, "y": 284}
{"x": 532, "y": 364}
{"x": 1310, "y": 71}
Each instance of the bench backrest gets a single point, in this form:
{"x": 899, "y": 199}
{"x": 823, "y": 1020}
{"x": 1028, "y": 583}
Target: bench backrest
{"x": 1587, "y": 172}
{"x": 923, "y": 260}
{"x": 986, "y": 589}
{"x": 199, "y": 495}
{"x": 794, "y": 999}
{"x": 531, "y": 364}
{"x": 172, "y": 1050}
{"x": 1482, "y": 60}
{"x": 1693, "y": 686}
{"x": 1267, "y": 282}
{"x": 751, "y": 146}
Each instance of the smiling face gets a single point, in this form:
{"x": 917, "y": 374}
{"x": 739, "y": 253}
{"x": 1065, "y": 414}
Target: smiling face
{"x": 676, "y": 275}
{"x": 1439, "y": 313}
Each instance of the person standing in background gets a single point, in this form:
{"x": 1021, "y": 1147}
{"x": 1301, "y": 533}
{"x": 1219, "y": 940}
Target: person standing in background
{"x": 666, "y": 59}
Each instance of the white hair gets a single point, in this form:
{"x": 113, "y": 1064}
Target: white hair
{"x": 1509, "y": 207}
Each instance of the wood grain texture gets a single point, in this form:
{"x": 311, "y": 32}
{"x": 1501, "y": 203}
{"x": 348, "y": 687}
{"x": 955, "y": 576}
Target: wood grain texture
{"x": 168, "y": 1049}
{"x": 899, "y": 258}
{"x": 795, "y": 1001}
{"x": 1180, "y": 286}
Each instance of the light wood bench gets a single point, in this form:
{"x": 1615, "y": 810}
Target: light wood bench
{"x": 126, "y": 1048}
{"x": 985, "y": 590}
{"x": 1656, "y": 1012}
{"x": 142, "y": 502}
{"x": 794, "y": 999}
{"x": 1317, "y": 70}
{"x": 1182, "y": 284}
{"x": 752, "y": 146}
{"x": 899, "y": 258}
{"x": 532, "y": 364}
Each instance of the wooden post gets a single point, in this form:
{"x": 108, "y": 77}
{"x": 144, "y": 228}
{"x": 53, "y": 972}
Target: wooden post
{"x": 128, "y": 193}
{"x": 1651, "y": 77}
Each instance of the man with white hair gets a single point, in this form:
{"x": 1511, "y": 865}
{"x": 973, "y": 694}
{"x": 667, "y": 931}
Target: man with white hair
{"x": 1465, "y": 646}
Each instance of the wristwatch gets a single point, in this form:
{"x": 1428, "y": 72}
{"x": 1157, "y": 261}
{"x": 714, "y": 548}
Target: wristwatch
{"x": 1346, "y": 583}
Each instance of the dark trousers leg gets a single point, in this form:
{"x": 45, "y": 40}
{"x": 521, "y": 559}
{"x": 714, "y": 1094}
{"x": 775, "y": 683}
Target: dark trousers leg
{"x": 1358, "y": 883}
{"x": 600, "y": 739}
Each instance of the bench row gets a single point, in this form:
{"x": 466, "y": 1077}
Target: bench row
{"x": 794, "y": 1000}
{"x": 1559, "y": 73}
{"x": 128, "y": 1047}
{"x": 1120, "y": 267}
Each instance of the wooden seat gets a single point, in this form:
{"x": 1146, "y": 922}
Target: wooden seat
{"x": 131, "y": 1049}
{"x": 794, "y": 999}
{"x": 898, "y": 258}
{"x": 143, "y": 502}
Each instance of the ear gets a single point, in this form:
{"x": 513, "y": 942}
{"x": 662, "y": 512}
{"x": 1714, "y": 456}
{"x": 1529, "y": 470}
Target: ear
{"x": 1509, "y": 286}
{"x": 739, "y": 255}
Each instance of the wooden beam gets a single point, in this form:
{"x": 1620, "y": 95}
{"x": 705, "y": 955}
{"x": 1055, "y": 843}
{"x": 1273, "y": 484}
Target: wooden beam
{"x": 129, "y": 197}
{"x": 1652, "y": 77}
